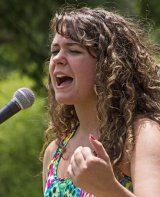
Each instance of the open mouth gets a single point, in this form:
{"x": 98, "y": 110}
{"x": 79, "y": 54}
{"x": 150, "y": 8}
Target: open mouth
{"x": 63, "y": 79}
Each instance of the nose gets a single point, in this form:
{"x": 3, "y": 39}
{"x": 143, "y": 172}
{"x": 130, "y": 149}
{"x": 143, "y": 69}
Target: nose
{"x": 59, "y": 58}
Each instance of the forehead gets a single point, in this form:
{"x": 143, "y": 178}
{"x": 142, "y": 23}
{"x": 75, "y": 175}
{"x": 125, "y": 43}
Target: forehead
{"x": 59, "y": 39}
{"x": 62, "y": 41}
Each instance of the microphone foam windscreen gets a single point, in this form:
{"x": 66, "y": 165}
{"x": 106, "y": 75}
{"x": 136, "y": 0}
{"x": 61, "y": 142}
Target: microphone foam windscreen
{"x": 24, "y": 97}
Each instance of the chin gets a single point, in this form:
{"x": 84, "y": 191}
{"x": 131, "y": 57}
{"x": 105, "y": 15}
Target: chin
{"x": 65, "y": 101}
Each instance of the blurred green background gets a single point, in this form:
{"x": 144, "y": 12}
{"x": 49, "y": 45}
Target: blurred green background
{"x": 24, "y": 52}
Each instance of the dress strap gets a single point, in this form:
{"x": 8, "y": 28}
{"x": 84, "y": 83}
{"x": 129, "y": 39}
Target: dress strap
{"x": 68, "y": 137}
{"x": 63, "y": 144}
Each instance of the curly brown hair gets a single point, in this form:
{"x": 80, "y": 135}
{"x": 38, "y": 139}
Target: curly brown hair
{"x": 126, "y": 82}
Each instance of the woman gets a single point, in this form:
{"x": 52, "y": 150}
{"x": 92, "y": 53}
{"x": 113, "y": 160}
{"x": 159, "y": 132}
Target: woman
{"x": 103, "y": 135}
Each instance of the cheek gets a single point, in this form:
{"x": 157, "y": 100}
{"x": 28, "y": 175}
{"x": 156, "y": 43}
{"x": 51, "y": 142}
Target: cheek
{"x": 91, "y": 72}
{"x": 87, "y": 78}
{"x": 51, "y": 69}
{"x": 51, "y": 66}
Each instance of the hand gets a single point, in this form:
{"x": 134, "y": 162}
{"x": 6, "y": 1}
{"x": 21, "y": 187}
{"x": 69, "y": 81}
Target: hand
{"x": 94, "y": 174}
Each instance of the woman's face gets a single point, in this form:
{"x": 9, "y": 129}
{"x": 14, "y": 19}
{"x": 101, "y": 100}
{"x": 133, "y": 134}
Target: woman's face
{"x": 72, "y": 70}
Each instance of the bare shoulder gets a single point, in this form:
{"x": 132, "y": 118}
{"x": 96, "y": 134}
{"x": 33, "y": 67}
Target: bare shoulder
{"x": 145, "y": 123}
{"x": 145, "y": 162}
{"x": 48, "y": 155}
{"x": 50, "y": 150}
{"x": 147, "y": 134}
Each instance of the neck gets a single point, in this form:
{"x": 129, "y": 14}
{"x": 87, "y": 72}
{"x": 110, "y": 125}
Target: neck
{"x": 87, "y": 115}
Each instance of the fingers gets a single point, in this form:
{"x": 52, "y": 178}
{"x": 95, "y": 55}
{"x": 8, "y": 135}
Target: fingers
{"x": 98, "y": 148}
{"x": 77, "y": 157}
{"x": 87, "y": 153}
{"x": 75, "y": 162}
{"x": 83, "y": 157}
{"x": 70, "y": 172}
{"x": 79, "y": 161}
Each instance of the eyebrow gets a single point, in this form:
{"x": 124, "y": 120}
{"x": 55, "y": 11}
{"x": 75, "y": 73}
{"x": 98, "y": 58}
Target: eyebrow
{"x": 67, "y": 44}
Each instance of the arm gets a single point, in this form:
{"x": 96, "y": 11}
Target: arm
{"x": 145, "y": 164}
{"x": 48, "y": 155}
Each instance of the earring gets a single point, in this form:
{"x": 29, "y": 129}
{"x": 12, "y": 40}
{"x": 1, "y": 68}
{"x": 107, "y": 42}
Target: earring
{"x": 95, "y": 89}
{"x": 157, "y": 69}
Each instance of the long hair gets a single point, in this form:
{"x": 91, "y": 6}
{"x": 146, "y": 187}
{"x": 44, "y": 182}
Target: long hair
{"x": 126, "y": 82}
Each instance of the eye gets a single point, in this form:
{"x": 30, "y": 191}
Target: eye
{"x": 73, "y": 51}
{"x": 54, "y": 52}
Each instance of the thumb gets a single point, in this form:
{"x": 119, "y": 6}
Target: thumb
{"x": 98, "y": 148}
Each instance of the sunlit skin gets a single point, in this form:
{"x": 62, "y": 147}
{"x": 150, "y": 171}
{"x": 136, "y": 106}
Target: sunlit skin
{"x": 70, "y": 59}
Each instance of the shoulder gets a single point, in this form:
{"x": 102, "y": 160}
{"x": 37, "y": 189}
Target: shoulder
{"x": 51, "y": 148}
{"x": 48, "y": 155}
{"x": 145, "y": 128}
{"x": 145, "y": 162}
{"x": 147, "y": 135}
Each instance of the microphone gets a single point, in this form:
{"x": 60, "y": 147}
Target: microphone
{"x": 22, "y": 99}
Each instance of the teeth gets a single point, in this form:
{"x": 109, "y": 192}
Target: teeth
{"x": 60, "y": 75}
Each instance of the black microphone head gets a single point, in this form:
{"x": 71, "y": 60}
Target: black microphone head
{"x": 24, "y": 97}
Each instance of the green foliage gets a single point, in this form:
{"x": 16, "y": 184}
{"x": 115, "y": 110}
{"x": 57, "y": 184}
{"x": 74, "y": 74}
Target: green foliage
{"x": 20, "y": 144}
{"x": 24, "y": 37}
{"x": 150, "y": 11}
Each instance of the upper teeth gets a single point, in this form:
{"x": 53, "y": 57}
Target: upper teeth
{"x": 60, "y": 75}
